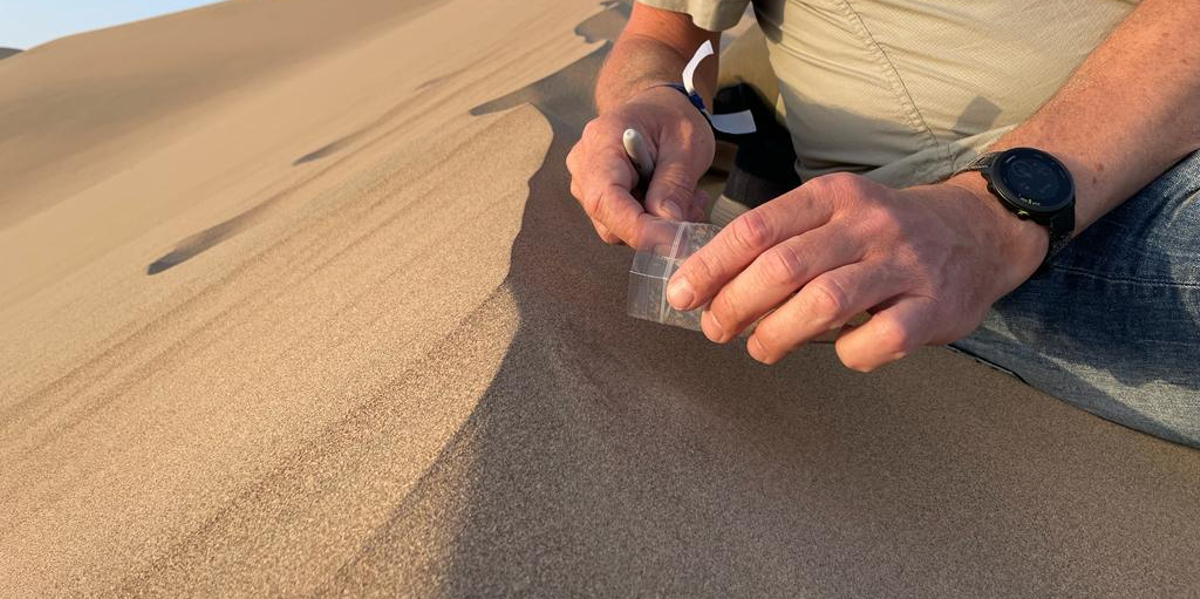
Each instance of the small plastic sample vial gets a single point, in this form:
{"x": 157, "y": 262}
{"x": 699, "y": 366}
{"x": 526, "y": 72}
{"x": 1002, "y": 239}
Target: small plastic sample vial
{"x": 664, "y": 245}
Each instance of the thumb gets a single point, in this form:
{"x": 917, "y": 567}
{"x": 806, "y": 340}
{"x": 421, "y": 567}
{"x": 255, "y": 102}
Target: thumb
{"x": 673, "y": 187}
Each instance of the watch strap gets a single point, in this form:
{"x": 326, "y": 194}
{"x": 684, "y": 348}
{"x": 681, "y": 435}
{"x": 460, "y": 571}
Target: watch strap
{"x": 981, "y": 163}
{"x": 1061, "y": 228}
{"x": 692, "y": 97}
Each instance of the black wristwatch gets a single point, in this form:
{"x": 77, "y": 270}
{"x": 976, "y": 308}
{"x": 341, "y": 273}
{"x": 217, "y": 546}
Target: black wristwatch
{"x": 1034, "y": 186}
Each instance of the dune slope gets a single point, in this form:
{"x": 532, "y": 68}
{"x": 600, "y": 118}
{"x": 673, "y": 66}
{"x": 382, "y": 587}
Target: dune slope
{"x": 327, "y": 322}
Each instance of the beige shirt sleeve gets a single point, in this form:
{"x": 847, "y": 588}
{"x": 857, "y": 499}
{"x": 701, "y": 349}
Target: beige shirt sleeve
{"x": 713, "y": 15}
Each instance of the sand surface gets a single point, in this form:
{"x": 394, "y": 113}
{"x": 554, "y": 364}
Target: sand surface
{"x": 294, "y": 301}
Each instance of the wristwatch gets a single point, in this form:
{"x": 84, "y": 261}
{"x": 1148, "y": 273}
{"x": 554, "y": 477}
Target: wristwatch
{"x": 1034, "y": 186}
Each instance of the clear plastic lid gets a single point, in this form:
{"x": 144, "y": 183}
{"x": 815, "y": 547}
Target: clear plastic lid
{"x": 664, "y": 245}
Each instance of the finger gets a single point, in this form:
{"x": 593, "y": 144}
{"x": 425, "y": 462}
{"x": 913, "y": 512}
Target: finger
{"x": 889, "y": 335}
{"x": 775, "y": 276}
{"x": 602, "y": 231}
{"x": 572, "y": 160}
{"x": 602, "y": 179}
{"x": 605, "y": 235}
{"x": 615, "y": 208}
{"x": 670, "y": 191}
{"x": 737, "y": 245}
{"x": 610, "y": 165}
{"x": 824, "y": 304}
{"x": 679, "y": 164}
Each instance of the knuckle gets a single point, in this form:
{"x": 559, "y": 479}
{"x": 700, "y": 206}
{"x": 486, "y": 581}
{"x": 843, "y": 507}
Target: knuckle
{"x": 882, "y": 217}
{"x": 669, "y": 185}
{"x": 840, "y": 189}
{"x": 726, "y": 307}
{"x": 604, "y": 201}
{"x": 771, "y": 337}
{"x": 877, "y": 224}
{"x": 846, "y": 182}
{"x": 781, "y": 265}
{"x": 828, "y": 302}
{"x": 699, "y": 269}
{"x": 605, "y": 234}
{"x": 824, "y": 185}
{"x": 573, "y": 158}
{"x": 589, "y": 129}
{"x": 591, "y": 199}
{"x": 894, "y": 338}
{"x": 751, "y": 230}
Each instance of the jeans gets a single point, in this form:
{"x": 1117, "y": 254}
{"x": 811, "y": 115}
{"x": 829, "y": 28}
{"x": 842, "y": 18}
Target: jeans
{"x": 1113, "y": 327}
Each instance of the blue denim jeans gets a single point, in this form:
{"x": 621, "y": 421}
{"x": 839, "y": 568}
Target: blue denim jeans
{"x": 1114, "y": 326}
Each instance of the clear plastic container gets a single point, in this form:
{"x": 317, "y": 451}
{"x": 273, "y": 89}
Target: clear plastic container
{"x": 664, "y": 245}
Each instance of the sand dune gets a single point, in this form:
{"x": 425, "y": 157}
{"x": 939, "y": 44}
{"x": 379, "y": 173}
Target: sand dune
{"x": 296, "y": 303}
{"x": 6, "y": 52}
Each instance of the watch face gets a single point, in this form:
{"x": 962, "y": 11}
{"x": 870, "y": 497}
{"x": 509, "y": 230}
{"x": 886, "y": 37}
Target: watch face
{"x": 1034, "y": 179}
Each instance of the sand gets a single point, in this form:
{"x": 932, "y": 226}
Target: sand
{"x": 295, "y": 302}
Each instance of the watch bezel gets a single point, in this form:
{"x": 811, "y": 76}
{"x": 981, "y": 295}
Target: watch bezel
{"x": 1033, "y": 206}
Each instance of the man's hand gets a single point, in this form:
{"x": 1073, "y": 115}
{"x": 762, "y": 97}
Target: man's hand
{"x": 602, "y": 176}
{"x": 926, "y": 262}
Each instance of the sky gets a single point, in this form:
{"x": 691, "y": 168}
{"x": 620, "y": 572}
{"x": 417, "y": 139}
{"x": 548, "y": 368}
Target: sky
{"x": 28, "y": 23}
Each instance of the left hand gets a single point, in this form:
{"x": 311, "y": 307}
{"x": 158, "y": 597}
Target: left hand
{"x": 927, "y": 263}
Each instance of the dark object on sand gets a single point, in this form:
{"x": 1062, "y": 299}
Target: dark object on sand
{"x": 765, "y": 165}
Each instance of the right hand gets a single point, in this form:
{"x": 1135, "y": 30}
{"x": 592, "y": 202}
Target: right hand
{"x": 603, "y": 178}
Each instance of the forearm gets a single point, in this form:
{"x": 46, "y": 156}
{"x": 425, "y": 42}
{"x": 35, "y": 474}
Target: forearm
{"x": 1129, "y": 112}
{"x": 653, "y": 49}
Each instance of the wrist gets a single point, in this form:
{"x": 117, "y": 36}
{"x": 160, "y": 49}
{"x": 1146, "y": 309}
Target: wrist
{"x": 630, "y": 92}
{"x": 669, "y": 99}
{"x": 612, "y": 95}
{"x": 1021, "y": 244}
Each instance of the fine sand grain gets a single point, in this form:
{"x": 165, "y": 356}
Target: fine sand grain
{"x": 295, "y": 302}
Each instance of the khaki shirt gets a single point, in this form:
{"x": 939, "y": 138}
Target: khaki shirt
{"x": 908, "y": 91}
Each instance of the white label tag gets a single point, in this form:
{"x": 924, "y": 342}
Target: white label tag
{"x": 737, "y": 123}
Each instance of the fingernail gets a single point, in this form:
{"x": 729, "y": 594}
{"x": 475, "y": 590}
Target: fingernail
{"x": 711, "y": 326}
{"x": 755, "y": 348}
{"x": 680, "y": 293}
{"x": 672, "y": 210}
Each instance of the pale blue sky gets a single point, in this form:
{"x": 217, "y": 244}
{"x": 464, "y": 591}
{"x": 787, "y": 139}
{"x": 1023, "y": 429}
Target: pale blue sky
{"x": 27, "y": 23}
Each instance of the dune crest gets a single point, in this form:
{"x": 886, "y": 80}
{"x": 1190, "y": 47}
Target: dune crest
{"x": 340, "y": 330}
